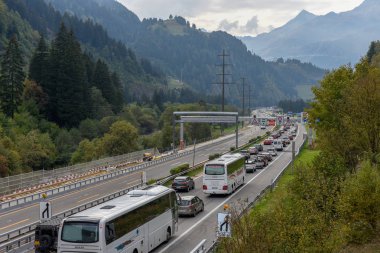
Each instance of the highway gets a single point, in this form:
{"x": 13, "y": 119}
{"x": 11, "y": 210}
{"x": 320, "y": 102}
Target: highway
{"x": 29, "y": 213}
{"x": 193, "y": 230}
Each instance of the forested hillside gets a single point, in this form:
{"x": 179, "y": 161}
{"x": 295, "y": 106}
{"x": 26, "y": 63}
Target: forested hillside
{"x": 331, "y": 201}
{"x": 134, "y": 73}
{"x": 60, "y": 104}
{"x": 184, "y": 51}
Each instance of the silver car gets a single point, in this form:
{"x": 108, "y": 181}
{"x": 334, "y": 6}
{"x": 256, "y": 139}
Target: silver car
{"x": 190, "y": 205}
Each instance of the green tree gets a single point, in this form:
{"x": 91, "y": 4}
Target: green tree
{"x": 37, "y": 150}
{"x": 122, "y": 138}
{"x": 86, "y": 151}
{"x": 11, "y": 78}
{"x": 359, "y": 204}
{"x": 39, "y": 64}
{"x": 67, "y": 87}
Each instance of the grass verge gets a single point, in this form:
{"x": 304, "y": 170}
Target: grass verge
{"x": 305, "y": 156}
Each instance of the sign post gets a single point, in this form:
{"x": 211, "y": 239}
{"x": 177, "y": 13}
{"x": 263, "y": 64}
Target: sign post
{"x": 45, "y": 211}
{"x": 224, "y": 225}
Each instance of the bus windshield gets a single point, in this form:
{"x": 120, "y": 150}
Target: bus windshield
{"x": 80, "y": 232}
{"x": 214, "y": 169}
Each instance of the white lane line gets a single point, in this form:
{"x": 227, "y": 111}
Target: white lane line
{"x": 216, "y": 208}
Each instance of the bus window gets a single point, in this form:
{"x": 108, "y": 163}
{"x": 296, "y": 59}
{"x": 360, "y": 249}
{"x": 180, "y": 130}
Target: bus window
{"x": 214, "y": 169}
{"x": 80, "y": 232}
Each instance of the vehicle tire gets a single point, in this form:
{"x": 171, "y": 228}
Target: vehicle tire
{"x": 168, "y": 234}
{"x": 244, "y": 178}
{"x": 45, "y": 242}
{"x": 193, "y": 186}
{"x": 135, "y": 251}
{"x": 203, "y": 207}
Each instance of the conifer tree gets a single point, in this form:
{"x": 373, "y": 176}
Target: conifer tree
{"x": 118, "y": 99}
{"x": 11, "y": 78}
{"x": 67, "y": 87}
{"x": 38, "y": 69}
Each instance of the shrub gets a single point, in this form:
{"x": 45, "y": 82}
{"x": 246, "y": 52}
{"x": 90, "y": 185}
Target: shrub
{"x": 212, "y": 157}
{"x": 232, "y": 148}
{"x": 179, "y": 169}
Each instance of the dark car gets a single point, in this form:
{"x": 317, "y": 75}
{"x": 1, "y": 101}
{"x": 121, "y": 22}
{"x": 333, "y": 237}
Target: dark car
{"x": 183, "y": 183}
{"x": 46, "y": 236}
{"x": 190, "y": 205}
{"x": 259, "y": 147}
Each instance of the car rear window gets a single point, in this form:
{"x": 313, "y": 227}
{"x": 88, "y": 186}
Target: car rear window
{"x": 179, "y": 180}
{"x": 184, "y": 202}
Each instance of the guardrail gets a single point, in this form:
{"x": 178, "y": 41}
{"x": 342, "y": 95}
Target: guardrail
{"x": 252, "y": 201}
{"x": 21, "y": 236}
{"x": 113, "y": 173}
{"x": 12, "y": 183}
{"x": 75, "y": 185}
{"x": 200, "y": 248}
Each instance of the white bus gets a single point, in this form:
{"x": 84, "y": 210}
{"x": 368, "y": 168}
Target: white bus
{"x": 224, "y": 174}
{"x": 136, "y": 222}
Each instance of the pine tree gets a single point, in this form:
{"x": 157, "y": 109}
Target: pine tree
{"x": 102, "y": 80}
{"x": 118, "y": 100}
{"x": 67, "y": 88}
{"x": 11, "y": 78}
{"x": 38, "y": 69}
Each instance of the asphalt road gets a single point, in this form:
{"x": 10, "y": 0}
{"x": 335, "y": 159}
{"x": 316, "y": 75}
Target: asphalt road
{"x": 192, "y": 230}
{"x": 27, "y": 214}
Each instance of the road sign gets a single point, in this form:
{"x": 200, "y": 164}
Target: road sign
{"x": 224, "y": 225}
{"x": 45, "y": 211}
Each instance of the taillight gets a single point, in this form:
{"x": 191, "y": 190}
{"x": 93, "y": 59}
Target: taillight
{"x": 204, "y": 187}
{"x": 225, "y": 187}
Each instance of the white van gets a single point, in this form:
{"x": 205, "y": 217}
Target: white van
{"x": 277, "y": 144}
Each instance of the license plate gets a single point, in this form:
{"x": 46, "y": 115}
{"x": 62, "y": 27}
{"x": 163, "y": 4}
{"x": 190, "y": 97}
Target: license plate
{"x": 214, "y": 188}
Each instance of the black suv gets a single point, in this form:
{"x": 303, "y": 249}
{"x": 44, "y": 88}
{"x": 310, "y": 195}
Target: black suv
{"x": 46, "y": 236}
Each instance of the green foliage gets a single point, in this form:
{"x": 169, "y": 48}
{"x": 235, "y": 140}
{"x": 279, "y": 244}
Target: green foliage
{"x": 293, "y": 106}
{"x": 232, "y": 149}
{"x": 213, "y": 156}
{"x": 179, "y": 169}
{"x": 121, "y": 139}
{"x": 359, "y": 204}
{"x": 11, "y": 78}
{"x": 345, "y": 112}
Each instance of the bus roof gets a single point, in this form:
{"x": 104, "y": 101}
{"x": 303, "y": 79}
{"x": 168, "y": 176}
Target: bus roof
{"x": 122, "y": 204}
{"x": 226, "y": 159}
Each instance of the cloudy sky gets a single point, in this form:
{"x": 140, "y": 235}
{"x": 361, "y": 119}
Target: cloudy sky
{"x": 238, "y": 17}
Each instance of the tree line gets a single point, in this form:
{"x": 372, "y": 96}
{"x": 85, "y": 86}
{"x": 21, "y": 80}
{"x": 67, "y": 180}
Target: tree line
{"x": 331, "y": 204}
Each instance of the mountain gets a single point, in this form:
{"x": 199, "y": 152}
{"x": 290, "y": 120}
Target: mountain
{"x": 327, "y": 41}
{"x": 190, "y": 54}
{"x": 136, "y": 74}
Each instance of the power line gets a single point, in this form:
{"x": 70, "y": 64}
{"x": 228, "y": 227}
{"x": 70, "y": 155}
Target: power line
{"x": 223, "y": 74}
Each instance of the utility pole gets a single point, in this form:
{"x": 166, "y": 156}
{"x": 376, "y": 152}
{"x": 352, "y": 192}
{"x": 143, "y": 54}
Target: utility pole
{"x": 242, "y": 122}
{"x": 249, "y": 100}
{"x": 223, "y": 74}
{"x": 223, "y": 83}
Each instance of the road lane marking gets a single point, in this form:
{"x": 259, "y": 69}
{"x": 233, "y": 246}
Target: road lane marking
{"x": 221, "y": 204}
{"x": 69, "y": 194}
{"x": 87, "y": 198}
{"x": 13, "y": 224}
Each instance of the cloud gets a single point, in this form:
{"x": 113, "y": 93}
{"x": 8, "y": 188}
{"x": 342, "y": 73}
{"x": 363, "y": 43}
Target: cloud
{"x": 251, "y": 26}
{"x": 225, "y": 25}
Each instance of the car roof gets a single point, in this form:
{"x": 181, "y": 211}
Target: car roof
{"x": 187, "y": 197}
{"x": 180, "y": 177}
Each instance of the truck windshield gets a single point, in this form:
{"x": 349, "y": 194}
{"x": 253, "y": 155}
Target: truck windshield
{"x": 80, "y": 232}
{"x": 214, "y": 169}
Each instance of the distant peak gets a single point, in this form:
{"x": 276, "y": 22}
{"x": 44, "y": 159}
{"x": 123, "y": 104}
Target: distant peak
{"x": 305, "y": 13}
